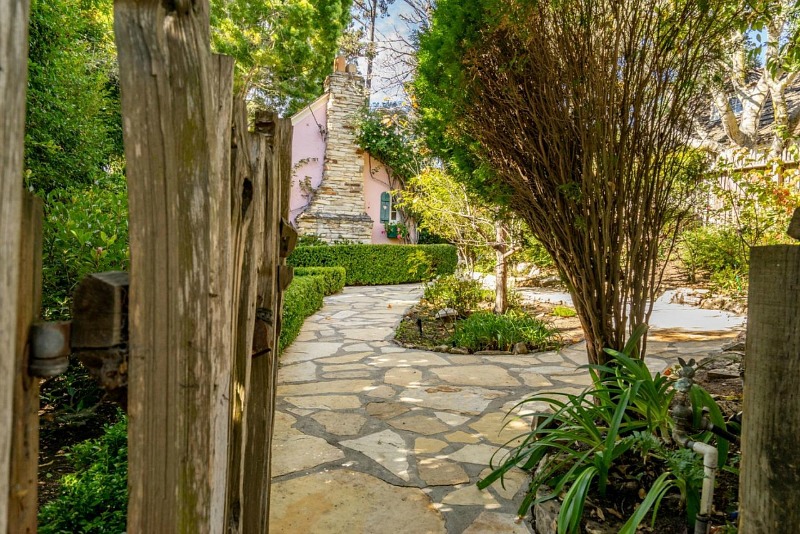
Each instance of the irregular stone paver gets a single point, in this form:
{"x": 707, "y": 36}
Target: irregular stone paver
{"x": 383, "y": 438}
{"x": 461, "y": 400}
{"x": 419, "y": 424}
{"x": 439, "y": 472}
{"x": 476, "y": 375}
{"x": 294, "y": 451}
{"x": 387, "y": 448}
{"x": 326, "y": 402}
{"x": 494, "y": 523}
{"x": 403, "y": 376}
{"x": 342, "y": 501}
{"x": 341, "y": 424}
{"x": 470, "y": 495}
{"x": 428, "y": 445}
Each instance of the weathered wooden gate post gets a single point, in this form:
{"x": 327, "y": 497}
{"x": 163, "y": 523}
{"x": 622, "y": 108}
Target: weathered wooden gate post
{"x": 769, "y": 484}
{"x": 176, "y": 105}
{"x": 17, "y": 306}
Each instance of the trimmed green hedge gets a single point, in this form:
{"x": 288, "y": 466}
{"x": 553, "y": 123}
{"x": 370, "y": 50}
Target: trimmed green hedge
{"x": 334, "y": 276}
{"x": 380, "y": 264}
{"x": 304, "y": 296}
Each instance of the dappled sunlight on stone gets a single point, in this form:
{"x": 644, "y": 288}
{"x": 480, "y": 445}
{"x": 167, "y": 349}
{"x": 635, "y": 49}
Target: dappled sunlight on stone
{"x": 413, "y": 434}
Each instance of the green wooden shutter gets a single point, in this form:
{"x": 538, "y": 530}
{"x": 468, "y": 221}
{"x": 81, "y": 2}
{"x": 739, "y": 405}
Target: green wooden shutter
{"x": 386, "y": 200}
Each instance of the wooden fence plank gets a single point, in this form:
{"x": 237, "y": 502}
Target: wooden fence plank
{"x": 22, "y": 506}
{"x": 220, "y": 274}
{"x": 170, "y": 107}
{"x": 769, "y": 486}
{"x": 261, "y": 406}
{"x": 248, "y": 222}
{"x": 13, "y": 81}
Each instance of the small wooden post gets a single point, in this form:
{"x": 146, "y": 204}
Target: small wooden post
{"x": 99, "y": 334}
{"x": 13, "y": 81}
{"x": 769, "y": 484}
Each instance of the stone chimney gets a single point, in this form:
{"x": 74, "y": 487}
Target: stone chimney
{"x": 337, "y": 210}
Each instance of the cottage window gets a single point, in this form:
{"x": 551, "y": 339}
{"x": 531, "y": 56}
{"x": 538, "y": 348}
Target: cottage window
{"x": 388, "y": 208}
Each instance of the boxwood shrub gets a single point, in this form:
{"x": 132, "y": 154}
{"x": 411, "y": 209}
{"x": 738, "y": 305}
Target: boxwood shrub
{"x": 304, "y": 296}
{"x": 380, "y": 264}
{"x": 334, "y": 276}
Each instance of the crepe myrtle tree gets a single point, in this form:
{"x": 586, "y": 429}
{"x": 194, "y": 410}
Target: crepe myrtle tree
{"x": 579, "y": 111}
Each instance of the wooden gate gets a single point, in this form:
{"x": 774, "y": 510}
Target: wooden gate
{"x": 208, "y": 234}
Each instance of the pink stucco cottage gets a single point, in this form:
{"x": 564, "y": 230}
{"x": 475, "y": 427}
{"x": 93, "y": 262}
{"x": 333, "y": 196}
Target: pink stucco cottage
{"x": 339, "y": 192}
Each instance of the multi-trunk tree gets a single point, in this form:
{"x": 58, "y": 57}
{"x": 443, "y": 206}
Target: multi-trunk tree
{"x": 761, "y": 67}
{"x": 580, "y": 111}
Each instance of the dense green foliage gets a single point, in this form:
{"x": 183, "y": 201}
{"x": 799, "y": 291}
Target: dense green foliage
{"x": 85, "y": 231}
{"x": 386, "y": 136}
{"x": 742, "y": 210}
{"x": 283, "y": 49}
{"x": 73, "y": 130}
{"x": 380, "y": 264}
{"x": 334, "y": 276}
{"x": 458, "y": 293}
{"x": 485, "y": 330}
{"x": 94, "y": 499}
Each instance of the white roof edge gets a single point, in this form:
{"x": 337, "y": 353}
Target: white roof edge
{"x": 306, "y": 111}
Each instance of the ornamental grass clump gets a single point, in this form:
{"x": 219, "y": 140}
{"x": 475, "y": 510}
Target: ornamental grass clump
{"x": 484, "y": 330}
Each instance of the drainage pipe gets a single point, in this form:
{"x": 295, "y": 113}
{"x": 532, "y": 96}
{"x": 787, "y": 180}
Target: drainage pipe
{"x": 710, "y": 456}
{"x": 681, "y": 411}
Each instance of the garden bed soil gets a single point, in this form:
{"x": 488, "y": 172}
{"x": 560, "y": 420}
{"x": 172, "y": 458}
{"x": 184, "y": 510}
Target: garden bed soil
{"x": 435, "y": 332}
{"x": 59, "y": 429}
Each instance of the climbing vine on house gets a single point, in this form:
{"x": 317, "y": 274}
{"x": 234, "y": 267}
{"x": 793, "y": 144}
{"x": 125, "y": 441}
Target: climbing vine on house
{"x": 388, "y": 136}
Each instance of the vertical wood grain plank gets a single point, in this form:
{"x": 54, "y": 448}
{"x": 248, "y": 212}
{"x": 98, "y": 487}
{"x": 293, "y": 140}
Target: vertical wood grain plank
{"x": 170, "y": 125}
{"x": 22, "y": 505}
{"x": 261, "y": 407}
{"x": 13, "y": 81}
{"x": 769, "y": 484}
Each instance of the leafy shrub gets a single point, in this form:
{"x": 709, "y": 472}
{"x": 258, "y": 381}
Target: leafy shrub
{"x": 489, "y": 331}
{"x": 95, "y": 497}
{"x": 564, "y": 311}
{"x": 534, "y": 253}
{"x": 752, "y": 209}
{"x": 302, "y": 298}
{"x": 380, "y": 264}
{"x": 461, "y": 294}
{"x": 334, "y": 276}
{"x": 310, "y": 240}
{"x": 575, "y": 447}
{"x": 85, "y": 231}
{"x": 712, "y": 248}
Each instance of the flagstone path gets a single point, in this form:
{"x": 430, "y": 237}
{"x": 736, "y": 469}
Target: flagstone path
{"x": 371, "y": 437}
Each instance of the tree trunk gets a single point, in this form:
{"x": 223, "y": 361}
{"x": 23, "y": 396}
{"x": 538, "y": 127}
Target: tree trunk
{"x": 13, "y": 81}
{"x": 769, "y": 487}
{"x": 500, "y": 271}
